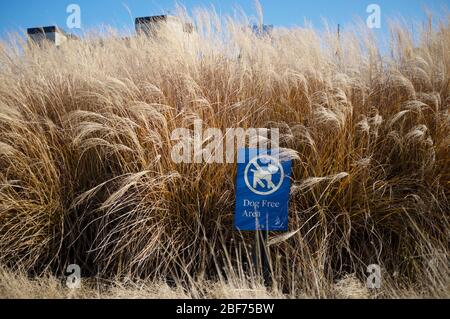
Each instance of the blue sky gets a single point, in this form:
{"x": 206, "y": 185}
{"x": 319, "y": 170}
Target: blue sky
{"x": 17, "y": 15}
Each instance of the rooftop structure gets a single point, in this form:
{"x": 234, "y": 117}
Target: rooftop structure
{"x": 262, "y": 30}
{"x": 50, "y": 34}
{"x": 150, "y": 25}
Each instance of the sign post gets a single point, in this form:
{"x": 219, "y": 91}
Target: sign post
{"x": 262, "y": 199}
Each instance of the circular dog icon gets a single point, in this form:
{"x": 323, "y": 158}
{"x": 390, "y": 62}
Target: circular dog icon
{"x": 264, "y": 175}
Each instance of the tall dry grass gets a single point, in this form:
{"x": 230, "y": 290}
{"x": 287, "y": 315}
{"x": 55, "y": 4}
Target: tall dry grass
{"x": 86, "y": 174}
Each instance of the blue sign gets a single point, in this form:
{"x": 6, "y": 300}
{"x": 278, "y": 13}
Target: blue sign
{"x": 262, "y": 190}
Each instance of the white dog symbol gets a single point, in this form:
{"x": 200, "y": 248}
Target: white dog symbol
{"x": 264, "y": 174}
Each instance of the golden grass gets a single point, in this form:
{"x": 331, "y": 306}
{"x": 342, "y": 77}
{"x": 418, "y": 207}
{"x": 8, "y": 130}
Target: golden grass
{"x": 86, "y": 174}
{"x": 17, "y": 285}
